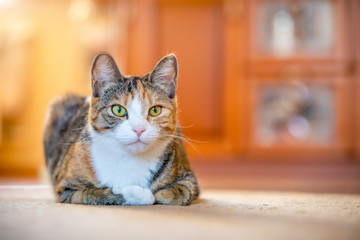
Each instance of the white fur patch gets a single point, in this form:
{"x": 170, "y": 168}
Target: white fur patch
{"x": 136, "y": 195}
{"x": 118, "y": 169}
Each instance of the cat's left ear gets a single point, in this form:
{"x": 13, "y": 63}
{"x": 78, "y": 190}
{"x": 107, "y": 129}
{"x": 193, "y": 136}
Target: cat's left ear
{"x": 165, "y": 74}
{"x": 104, "y": 71}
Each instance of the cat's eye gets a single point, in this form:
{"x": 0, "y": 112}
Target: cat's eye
{"x": 155, "y": 111}
{"x": 119, "y": 111}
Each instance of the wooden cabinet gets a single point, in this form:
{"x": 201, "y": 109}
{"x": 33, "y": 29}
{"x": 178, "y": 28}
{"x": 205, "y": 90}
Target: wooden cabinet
{"x": 259, "y": 78}
{"x": 298, "y": 81}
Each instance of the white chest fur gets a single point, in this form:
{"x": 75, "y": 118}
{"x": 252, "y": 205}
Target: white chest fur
{"x": 116, "y": 168}
{"x": 125, "y": 173}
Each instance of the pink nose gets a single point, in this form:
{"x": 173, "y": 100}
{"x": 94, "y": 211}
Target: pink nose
{"x": 139, "y": 131}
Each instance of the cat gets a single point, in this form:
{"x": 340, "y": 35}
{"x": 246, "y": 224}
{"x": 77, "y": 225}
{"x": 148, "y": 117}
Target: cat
{"x": 122, "y": 145}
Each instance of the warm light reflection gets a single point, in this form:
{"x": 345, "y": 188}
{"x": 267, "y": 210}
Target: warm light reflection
{"x": 283, "y": 33}
{"x": 79, "y": 11}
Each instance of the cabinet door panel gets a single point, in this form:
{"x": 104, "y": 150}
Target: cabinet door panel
{"x": 284, "y": 28}
{"x": 193, "y": 32}
{"x": 295, "y": 113}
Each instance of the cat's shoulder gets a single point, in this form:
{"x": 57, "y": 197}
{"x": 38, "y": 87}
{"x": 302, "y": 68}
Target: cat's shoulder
{"x": 65, "y": 104}
{"x": 68, "y": 100}
{"x": 62, "y": 111}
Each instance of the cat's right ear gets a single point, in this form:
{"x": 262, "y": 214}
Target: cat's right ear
{"x": 104, "y": 71}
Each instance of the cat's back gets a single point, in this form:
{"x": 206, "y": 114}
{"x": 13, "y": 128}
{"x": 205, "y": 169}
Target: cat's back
{"x": 65, "y": 121}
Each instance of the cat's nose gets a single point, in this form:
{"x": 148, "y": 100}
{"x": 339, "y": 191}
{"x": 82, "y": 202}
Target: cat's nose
{"x": 139, "y": 131}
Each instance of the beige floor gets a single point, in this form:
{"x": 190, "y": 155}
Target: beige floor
{"x": 30, "y": 213}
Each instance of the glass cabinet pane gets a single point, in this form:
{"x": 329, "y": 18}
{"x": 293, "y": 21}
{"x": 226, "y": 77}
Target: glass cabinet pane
{"x": 300, "y": 27}
{"x": 294, "y": 113}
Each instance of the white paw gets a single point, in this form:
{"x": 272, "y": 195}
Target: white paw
{"x": 116, "y": 190}
{"x": 135, "y": 195}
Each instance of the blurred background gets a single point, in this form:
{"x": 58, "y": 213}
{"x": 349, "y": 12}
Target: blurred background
{"x": 269, "y": 90}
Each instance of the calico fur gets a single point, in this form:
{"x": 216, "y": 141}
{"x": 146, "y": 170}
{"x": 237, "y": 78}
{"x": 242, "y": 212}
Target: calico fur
{"x": 95, "y": 157}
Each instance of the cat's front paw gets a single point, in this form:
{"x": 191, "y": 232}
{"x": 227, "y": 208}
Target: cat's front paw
{"x": 135, "y": 195}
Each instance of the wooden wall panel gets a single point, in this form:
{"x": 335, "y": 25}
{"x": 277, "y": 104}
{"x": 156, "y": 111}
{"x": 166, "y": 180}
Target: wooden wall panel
{"x": 194, "y": 33}
{"x": 356, "y": 18}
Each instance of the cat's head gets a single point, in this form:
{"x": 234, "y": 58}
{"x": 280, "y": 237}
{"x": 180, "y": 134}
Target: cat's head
{"x": 137, "y": 114}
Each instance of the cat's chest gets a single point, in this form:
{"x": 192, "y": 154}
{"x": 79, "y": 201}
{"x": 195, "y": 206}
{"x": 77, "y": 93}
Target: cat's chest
{"x": 119, "y": 169}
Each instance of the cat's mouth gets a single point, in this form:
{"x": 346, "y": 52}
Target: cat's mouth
{"x": 138, "y": 141}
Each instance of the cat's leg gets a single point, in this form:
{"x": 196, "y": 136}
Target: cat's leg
{"x": 181, "y": 192}
{"x": 135, "y": 195}
{"x": 93, "y": 196}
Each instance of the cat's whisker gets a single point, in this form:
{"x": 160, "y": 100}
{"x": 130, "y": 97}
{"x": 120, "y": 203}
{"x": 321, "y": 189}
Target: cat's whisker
{"x": 183, "y": 137}
{"x": 189, "y": 126}
{"x": 192, "y": 140}
{"x": 185, "y": 140}
{"x": 172, "y": 140}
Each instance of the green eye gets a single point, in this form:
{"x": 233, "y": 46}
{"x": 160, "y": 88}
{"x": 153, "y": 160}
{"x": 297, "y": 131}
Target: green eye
{"x": 119, "y": 111}
{"x": 155, "y": 111}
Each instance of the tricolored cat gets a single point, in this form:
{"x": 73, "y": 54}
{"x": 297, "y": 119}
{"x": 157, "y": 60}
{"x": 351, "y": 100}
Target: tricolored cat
{"x": 122, "y": 145}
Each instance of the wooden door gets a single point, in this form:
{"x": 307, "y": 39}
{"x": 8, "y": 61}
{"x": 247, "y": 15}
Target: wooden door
{"x": 199, "y": 26}
{"x": 354, "y": 70}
